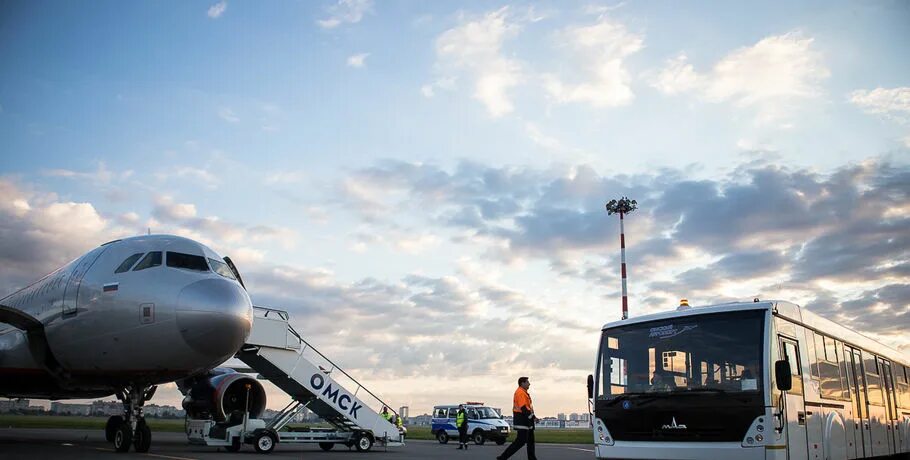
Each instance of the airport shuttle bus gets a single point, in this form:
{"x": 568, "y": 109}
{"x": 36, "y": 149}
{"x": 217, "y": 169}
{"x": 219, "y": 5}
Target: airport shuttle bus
{"x": 757, "y": 380}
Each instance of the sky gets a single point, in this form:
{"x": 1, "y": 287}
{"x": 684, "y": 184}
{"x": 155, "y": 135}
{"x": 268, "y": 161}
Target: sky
{"x": 422, "y": 184}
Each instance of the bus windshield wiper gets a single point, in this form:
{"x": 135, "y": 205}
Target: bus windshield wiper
{"x": 639, "y": 397}
{"x": 706, "y": 390}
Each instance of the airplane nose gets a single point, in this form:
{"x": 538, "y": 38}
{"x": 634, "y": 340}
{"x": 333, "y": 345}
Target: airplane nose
{"x": 214, "y": 317}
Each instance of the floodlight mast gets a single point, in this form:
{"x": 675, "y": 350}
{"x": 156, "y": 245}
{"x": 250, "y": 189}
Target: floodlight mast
{"x": 622, "y": 207}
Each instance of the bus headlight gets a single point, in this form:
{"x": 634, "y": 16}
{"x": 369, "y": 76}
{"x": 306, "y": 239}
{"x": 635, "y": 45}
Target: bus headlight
{"x": 602, "y": 434}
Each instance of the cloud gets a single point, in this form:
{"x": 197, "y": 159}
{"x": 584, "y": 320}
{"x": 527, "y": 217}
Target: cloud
{"x": 601, "y": 50}
{"x": 286, "y": 177}
{"x": 227, "y": 114}
{"x": 756, "y": 229}
{"x": 102, "y": 175}
{"x": 166, "y": 210}
{"x": 447, "y": 84}
{"x": 677, "y": 76}
{"x": 357, "y": 60}
{"x": 475, "y": 48}
{"x": 771, "y": 77}
{"x": 183, "y": 219}
{"x": 39, "y": 233}
{"x": 893, "y": 103}
{"x": 346, "y": 12}
{"x": 215, "y": 11}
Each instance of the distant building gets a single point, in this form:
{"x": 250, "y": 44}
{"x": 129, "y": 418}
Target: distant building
{"x": 71, "y": 409}
{"x": 154, "y": 410}
{"x": 561, "y": 416}
{"x": 420, "y": 420}
{"x": 14, "y": 405}
{"x": 573, "y": 417}
{"x": 550, "y": 422}
{"x": 107, "y": 408}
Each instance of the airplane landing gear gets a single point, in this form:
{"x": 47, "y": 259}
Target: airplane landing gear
{"x": 131, "y": 429}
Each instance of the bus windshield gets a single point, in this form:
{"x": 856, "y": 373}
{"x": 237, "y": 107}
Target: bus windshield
{"x": 711, "y": 353}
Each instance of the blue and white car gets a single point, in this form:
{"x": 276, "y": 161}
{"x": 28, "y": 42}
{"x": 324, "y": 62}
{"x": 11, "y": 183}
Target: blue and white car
{"x": 483, "y": 423}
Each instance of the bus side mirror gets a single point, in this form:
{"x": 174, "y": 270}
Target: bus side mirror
{"x": 590, "y": 386}
{"x": 782, "y": 375}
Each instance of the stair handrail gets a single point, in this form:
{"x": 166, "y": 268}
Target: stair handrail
{"x": 283, "y": 314}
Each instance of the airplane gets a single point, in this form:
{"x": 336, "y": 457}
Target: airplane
{"x": 122, "y": 319}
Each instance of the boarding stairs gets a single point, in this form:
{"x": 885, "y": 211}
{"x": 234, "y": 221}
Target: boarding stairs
{"x": 280, "y": 355}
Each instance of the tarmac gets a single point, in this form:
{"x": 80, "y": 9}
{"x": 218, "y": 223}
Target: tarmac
{"x": 34, "y": 444}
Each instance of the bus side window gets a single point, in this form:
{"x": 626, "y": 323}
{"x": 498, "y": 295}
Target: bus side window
{"x": 903, "y": 385}
{"x": 844, "y": 362}
{"x": 888, "y": 385}
{"x": 440, "y": 413}
{"x": 873, "y": 380}
{"x": 819, "y": 345}
{"x": 792, "y": 355}
{"x": 453, "y": 412}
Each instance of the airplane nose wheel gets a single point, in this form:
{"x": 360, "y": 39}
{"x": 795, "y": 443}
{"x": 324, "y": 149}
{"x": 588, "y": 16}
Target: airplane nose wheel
{"x": 131, "y": 429}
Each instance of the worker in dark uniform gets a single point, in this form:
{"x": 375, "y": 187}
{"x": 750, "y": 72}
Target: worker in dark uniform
{"x": 461, "y": 422}
{"x": 523, "y": 420}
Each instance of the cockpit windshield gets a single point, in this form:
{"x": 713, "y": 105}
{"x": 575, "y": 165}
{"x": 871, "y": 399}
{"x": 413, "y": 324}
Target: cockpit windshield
{"x": 717, "y": 353}
{"x": 187, "y": 261}
{"x": 221, "y": 268}
{"x": 486, "y": 412}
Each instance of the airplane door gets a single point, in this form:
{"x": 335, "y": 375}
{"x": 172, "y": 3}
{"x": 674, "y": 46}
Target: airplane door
{"x": 794, "y": 404}
{"x": 74, "y": 281}
{"x": 864, "y": 445}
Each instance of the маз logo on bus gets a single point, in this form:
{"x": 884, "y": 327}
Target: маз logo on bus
{"x": 674, "y": 426}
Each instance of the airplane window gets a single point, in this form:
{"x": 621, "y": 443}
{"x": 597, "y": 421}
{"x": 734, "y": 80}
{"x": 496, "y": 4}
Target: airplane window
{"x": 152, "y": 259}
{"x": 221, "y": 268}
{"x": 128, "y": 263}
{"x": 188, "y": 261}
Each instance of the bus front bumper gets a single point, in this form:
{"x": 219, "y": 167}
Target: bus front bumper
{"x": 678, "y": 451}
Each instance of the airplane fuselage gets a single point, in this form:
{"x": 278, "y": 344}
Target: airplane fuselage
{"x": 143, "y": 310}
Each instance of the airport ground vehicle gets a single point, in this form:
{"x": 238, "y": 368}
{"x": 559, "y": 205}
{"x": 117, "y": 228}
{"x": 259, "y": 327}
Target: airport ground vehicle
{"x": 483, "y": 423}
{"x": 757, "y": 380}
{"x": 279, "y": 354}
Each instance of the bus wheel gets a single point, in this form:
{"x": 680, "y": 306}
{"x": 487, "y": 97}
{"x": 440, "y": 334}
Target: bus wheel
{"x": 478, "y": 438}
{"x": 442, "y": 437}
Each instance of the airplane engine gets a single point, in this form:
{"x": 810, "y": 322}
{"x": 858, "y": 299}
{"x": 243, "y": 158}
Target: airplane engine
{"x": 221, "y": 396}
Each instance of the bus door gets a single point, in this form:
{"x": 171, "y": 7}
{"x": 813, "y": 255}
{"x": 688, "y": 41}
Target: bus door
{"x": 891, "y": 408}
{"x": 794, "y": 403}
{"x": 852, "y": 424}
{"x": 861, "y": 419}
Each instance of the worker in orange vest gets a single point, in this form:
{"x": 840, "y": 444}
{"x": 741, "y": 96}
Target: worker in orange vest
{"x": 523, "y": 420}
